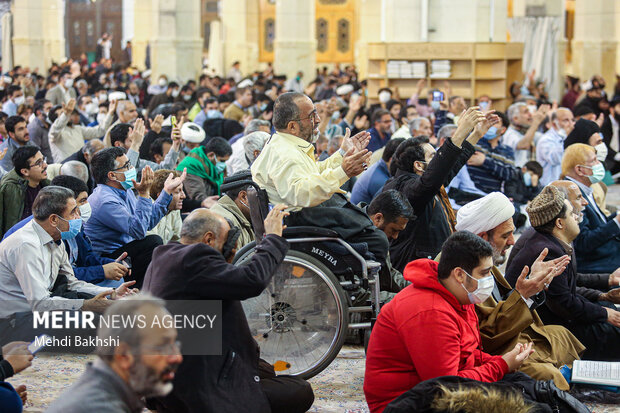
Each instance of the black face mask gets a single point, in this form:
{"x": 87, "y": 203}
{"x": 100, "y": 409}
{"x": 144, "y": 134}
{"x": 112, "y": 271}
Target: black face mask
{"x": 231, "y": 240}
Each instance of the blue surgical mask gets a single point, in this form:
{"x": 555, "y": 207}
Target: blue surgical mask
{"x": 220, "y": 167}
{"x": 336, "y": 115}
{"x": 527, "y": 178}
{"x": 214, "y": 114}
{"x": 483, "y": 105}
{"x": 75, "y": 225}
{"x": 263, "y": 107}
{"x": 491, "y": 134}
{"x": 129, "y": 175}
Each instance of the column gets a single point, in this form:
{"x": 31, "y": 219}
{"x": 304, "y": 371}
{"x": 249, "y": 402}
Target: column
{"x": 174, "y": 37}
{"x": 595, "y": 44}
{"x": 216, "y": 49}
{"x": 295, "y": 42}
{"x": 369, "y": 20}
{"x": 38, "y": 33}
{"x": 239, "y": 35}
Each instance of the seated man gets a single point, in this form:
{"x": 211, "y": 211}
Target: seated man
{"x": 380, "y": 133}
{"x": 124, "y": 136}
{"x": 20, "y": 186}
{"x": 119, "y": 220}
{"x": 287, "y": 170}
{"x": 198, "y": 268}
{"x": 66, "y": 135}
{"x": 509, "y": 315}
{"x": 169, "y": 228}
{"x": 121, "y": 376}
{"x": 205, "y": 169}
{"x": 550, "y": 147}
{"x": 554, "y": 220}
{"x": 421, "y": 173}
{"x": 85, "y": 155}
{"x": 35, "y": 272}
{"x": 430, "y": 328}
{"x": 370, "y": 183}
{"x": 390, "y": 212}
{"x": 597, "y": 246}
{"x": 233, "y": 205}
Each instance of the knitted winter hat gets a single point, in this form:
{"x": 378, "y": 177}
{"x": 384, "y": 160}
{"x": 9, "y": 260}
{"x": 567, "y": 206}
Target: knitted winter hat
{"x": 546, "y": 206}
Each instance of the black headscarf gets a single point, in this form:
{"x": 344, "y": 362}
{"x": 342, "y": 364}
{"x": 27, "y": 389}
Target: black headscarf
{"x": 581, "y": 133}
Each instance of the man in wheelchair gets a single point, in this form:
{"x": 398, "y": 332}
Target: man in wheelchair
{"x": 286, "y": 169}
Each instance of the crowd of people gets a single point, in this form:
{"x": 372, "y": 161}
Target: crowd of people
{"x": 112, "y": 199}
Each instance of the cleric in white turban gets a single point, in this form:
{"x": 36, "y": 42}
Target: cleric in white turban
{"x": 485, "y": 213}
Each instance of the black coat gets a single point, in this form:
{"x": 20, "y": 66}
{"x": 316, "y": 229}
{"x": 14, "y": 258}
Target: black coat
{"x": 424, "y": 236}
{"x": 564, "y": 305}
{"x": 230, "y": 382}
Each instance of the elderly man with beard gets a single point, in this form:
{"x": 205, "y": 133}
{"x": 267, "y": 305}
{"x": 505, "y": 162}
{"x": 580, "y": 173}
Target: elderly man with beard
{"x": 509, "y": 315}
{"x": 142, "y": 365}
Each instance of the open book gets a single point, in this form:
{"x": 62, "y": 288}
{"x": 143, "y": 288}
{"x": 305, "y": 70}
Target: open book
{"x": 596, "y": 372}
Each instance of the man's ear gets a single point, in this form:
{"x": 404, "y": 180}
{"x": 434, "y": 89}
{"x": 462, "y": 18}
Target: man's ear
{"x": 377, "y": 219}
{"x": 458, "y": 274}
{"x": 211, "y": 156}
{"x": 256, "y": 153}
{"x": 123, "y": 357}
{"x": 25, "y": 172}
{"x": 484, "y": 236}
{"x": 209, "y": 239}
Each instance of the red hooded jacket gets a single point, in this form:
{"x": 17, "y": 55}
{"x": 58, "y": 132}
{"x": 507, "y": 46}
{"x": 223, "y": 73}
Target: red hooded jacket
{"x": 423, "y": 333}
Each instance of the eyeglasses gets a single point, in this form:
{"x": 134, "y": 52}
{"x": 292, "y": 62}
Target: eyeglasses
{"x": 313, "y": 115}
{"x": 39, "y": 163}
{"x": 126, "y": 166}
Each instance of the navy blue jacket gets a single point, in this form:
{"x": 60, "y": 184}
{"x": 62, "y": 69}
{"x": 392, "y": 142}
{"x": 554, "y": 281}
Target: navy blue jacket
{"x": 376, "y": 142}
{"x": 598, "y": 245}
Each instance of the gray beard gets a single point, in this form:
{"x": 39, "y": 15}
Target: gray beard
{"x": 498, "y": 258}
{"x": 145, "y": 382}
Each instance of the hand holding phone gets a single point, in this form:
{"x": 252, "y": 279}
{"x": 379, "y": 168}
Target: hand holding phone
{"x": 38, "y": 343}
{"x": 173, "y": 121}
{"x": 438, "y": 96}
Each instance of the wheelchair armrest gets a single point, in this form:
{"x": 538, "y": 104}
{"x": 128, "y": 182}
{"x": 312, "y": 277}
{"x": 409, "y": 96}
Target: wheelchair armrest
{"x": 302, "y": 232}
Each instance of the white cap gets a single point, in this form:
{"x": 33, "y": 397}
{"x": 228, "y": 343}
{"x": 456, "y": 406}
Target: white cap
{"x": 245, "y": 83}
{"x": 192, "y": 133}
{"x": 116, "y": 95}
{"x": 147, "y": 73}
{"x": 344, "y": 89}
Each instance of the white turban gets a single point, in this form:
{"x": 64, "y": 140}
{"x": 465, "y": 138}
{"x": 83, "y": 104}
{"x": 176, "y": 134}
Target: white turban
{"x": 485, "y": 213}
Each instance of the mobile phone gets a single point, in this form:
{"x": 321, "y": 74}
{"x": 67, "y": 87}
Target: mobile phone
{"x": 173, "y": 121}
{"x": 437, "y": 96}
{"x": 38, "y": 343}
{"x": 127, "y": 263}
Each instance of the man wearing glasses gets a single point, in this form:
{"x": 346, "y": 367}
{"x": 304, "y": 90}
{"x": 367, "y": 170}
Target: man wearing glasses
{"x": 119, "y": 220}
{"x": 21, "y": 185}
{"x": 287, "y": 170}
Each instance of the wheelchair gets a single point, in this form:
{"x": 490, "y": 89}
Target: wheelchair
{"x": 318, "y": 295}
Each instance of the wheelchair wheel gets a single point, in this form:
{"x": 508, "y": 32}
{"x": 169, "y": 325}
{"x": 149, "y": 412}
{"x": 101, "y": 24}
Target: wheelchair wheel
{"x": 300, "y": 320}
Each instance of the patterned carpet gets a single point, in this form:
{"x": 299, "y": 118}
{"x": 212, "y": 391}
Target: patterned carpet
{"x": 338, "y": 389}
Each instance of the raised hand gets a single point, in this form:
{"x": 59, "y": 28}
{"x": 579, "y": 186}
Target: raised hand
{"x": 144, "y": 186}
{"x": 540, "y": 113}
{"x": 137, "y": 134}
{"x": 467, "y": 121}
{"x": 360, "y": 122}
{"x": 490, "y": 118}
{"x": 355, "y": 162}
{"x": 172, "y": 183}
{"x": 156, "y": 122}
{"x": 274, "y": 222}
{"x": 543, "y": 272}
{"x": 359, "y": 141}
{"x": 113, "y": 106}
{"x": 68, "y": 108}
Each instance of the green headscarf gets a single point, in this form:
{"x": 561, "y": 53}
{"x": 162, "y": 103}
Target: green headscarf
{"x": 197, "y": 163}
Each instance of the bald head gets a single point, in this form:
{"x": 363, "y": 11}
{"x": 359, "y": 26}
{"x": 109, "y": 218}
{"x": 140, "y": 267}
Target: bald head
{"x": 573, "y": 195}
{"x": 204, "y": 226}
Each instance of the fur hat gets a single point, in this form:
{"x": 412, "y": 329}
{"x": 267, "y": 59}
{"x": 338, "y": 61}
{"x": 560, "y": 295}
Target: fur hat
{"x": 546, "y": 206}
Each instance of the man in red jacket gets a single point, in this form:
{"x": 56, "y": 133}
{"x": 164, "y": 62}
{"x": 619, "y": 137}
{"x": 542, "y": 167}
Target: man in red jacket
{"x": 430, "y": 329}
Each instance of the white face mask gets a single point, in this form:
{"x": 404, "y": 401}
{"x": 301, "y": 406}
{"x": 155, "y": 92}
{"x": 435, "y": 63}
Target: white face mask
{"x": 175, "y": 93}
{"x": 103, "y": 97}
{"x": 601, "y": 151}
{"x": 162, "y": 82}
{"x": 68, "y": 83}
{"x": 101, "y": 118}
{"x": 384, "y": 96}
{"x": 91, "y": 108}
{"x": 561, "y": 131}
{"x": 85, "y": 211}
{"x": 483, "y": 291}
{"x": 19, "y": 100}
{"x": 187, "y": 97}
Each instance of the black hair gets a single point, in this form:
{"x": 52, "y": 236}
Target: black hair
{"x": 225, "y": 98}
{"x": 390, "y": 148}
{"x": 582, "y": 111}
{"x": 71, "y": 182}
{"x": 392, "y": 204}
{"x": 534, "y": 167}
{"x": 38, "y": 105}
{"x": 462, "y": 249}
{"x": 21, "y": 156}
{"x": 548, "y": 227}
{"x": 210, "y": 100}
{"x": 407, "y": 153}
{"x": 12, "y": 121}
{"x": 3, "y": 116}
{"x": 219, "y": 146}
{"x": 12, "y": 89}
{"x": 52, "y": 113}
{"x": 285, "y": 109}
{"x": 104, "y": 162}
{"x": 176, "y": 108}
{"x": 119, "y": 133}
{"x": 390, "y": 103}
{"x": 377, "y": 114}
{"x": 504, "y": 118}
{"x": 157, "y": 147}
{"x": 172, "y": 85}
